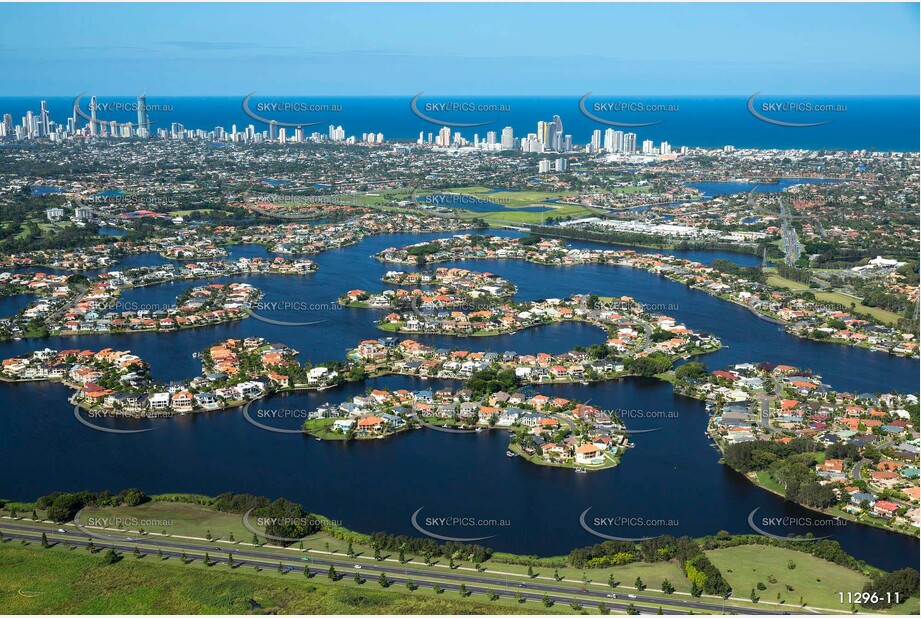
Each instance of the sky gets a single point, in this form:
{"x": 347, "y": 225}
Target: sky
{"x": 473, "y": 49}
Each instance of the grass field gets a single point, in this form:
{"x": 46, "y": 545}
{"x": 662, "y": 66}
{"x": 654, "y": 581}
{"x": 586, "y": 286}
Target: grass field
{"x": 766, "y": 481}
{"x": 56, "y": 581}
{"x": 886, "y": 317}
{"x": 177, "y": 519}
{"x": 815, "y": 581}
{"x": 511, "y": 200}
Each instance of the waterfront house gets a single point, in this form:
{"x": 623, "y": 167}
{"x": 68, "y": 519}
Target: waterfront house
{"x": 159, "y": 401}
{"x": 182, "y": 401}
{"x": 589, "y": 454}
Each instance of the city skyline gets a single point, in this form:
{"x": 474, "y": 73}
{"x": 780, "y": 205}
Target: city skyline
{"x": 549, "y": 136}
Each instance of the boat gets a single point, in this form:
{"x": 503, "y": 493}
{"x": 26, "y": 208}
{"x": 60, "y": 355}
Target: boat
{"x": 630, "y": 444}
{"x": 580, "y": 470}
{"x": 194, "y": 354}
{"x": 322, "y": 388}
{"x": 318, "y": 439}
{"x": 585, "y": 382}
{"x": 511, "y": 454}
{"x": 479, "y": 429}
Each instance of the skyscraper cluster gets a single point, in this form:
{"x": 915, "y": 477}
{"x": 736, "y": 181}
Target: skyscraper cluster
{"x": 548, "y": 138}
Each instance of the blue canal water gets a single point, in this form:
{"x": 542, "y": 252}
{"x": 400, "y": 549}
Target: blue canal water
{"x": 711, "y": 189}
{"x": 39, "y": 191}
{"x": 672, "y": 474}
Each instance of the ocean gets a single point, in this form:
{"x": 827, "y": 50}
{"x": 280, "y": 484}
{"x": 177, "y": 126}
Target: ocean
{"x": 879, "y": 123}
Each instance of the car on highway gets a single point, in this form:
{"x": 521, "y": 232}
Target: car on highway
{"x": 612, "y": 596}
{"x": 631, "y": 596}
{"x": 522, "y": 586}
{"x": 357, "y": 566}
{"x": 62, "y": 530}
{"x": 305, "y": 559}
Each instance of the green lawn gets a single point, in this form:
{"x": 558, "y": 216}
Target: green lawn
{"x": 512, "y": 200}
{"x": 815, "y": 581}
{"x": 57, "y": 581}
{"x": 767, "y": 481}
{"x": 178, "y": 519}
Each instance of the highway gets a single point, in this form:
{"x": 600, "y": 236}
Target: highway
{"x": 266, "y": 557}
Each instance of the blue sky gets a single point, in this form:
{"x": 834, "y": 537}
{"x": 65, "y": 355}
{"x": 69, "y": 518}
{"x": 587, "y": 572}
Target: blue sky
{"x": 513, "y": 49}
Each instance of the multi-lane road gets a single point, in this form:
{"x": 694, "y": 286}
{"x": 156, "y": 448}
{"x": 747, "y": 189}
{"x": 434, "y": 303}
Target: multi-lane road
{"x": 531, "y": 589}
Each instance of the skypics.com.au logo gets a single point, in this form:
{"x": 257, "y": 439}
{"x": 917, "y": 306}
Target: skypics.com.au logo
{"x": 446, "y": 107}
{"x": 279, "y": 111}
{"x": 455, "y": 524}
{"x": 791, "y": 107}
{"x": 623, "y": 524}
{"x": 619, "y": 107}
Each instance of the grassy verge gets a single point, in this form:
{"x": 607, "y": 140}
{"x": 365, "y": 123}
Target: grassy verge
{"x": 814, "y": 582}
{"x": 58, "y": 581}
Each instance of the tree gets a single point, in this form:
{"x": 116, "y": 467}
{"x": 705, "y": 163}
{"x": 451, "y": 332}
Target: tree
{"x": 229, "y": 560}
{"x": 639, "y": 585}
{"x": 547, "y": 601}
{"x": 436, "y": 588}
{"x": 132, "y": 497}
{"x": 411, "y": 586}
{"x": 255, "y": 540}
{"x": 111, "y": 557}
{"x": 382, "y": 580}
{"x": 667, "y": 587}
{"x": 603, "y": 609}
{"x": 691, "y": 371}
{"x": 462, "y": 589}
{"x": 136, "y": 552}
{"x": 332, "y": 573}
{"x": 557, "y": 576}
{"x": 45, "y": 543}
{"x": 530, "y": 571}
{"x": 207, "y": 559}
{"x": 358, "y": 579}
{"x": 491, "y": 595}
{"x": 631, "y": 610}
